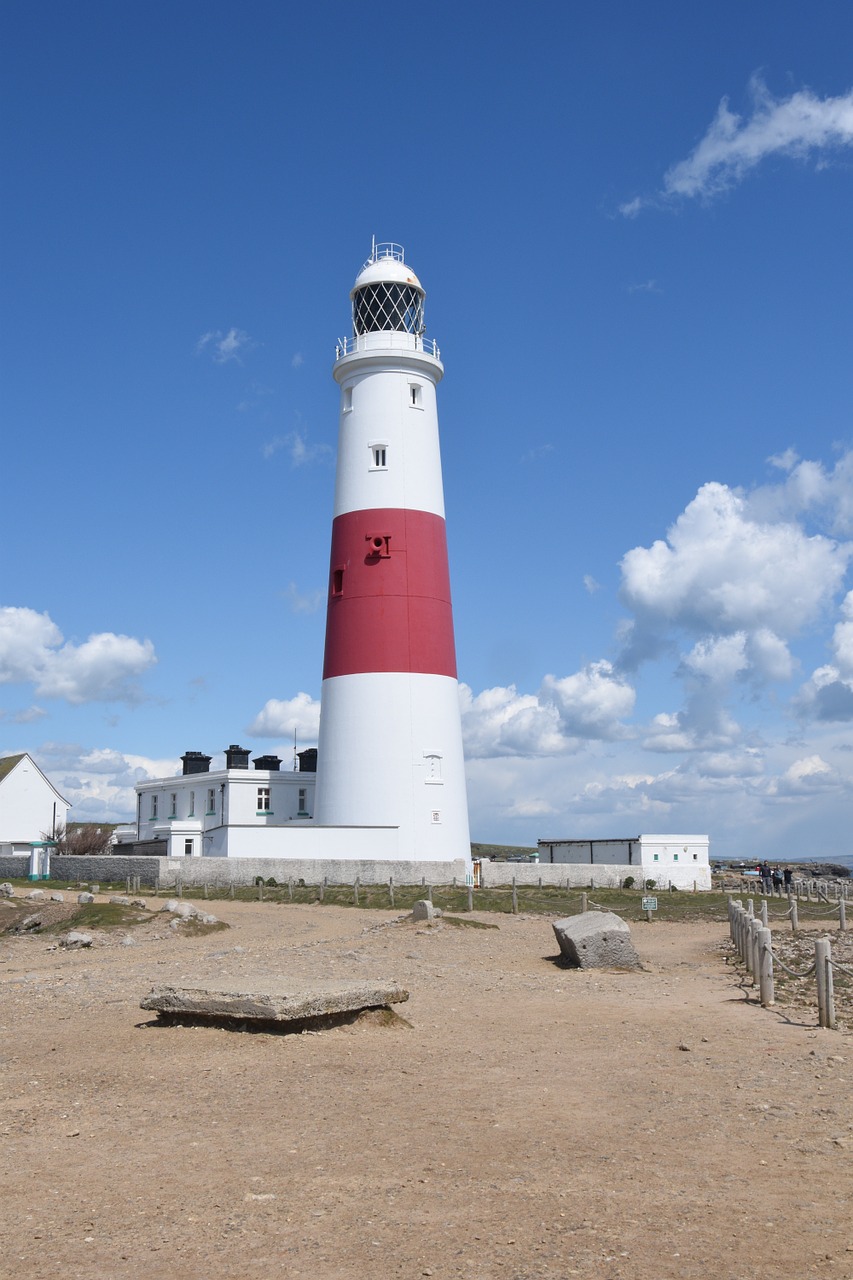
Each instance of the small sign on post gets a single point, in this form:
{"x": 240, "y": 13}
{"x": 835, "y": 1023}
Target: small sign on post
{"x": 649, "y": 905}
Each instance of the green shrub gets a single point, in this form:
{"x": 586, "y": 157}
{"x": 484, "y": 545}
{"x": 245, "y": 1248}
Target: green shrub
{"x": 628, "y": 882}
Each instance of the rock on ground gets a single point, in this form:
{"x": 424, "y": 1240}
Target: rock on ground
{"x": 596, "y": 940}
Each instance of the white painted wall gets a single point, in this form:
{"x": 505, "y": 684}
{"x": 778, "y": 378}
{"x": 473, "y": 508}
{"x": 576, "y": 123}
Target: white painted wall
{"x": 236, "y": 804}
{"x": 379, "y": 391}
{"x": 393, "y": 756}
{"x": 27, "y": 802}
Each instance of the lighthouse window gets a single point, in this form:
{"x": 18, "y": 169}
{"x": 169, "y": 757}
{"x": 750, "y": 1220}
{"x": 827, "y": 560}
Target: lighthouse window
{"x": 385, "y": 306}
{"x": 347, "y": 404}
{"x": 337, "y": 582}
{"x": 379, "y": 456}
{"x": 415, "y": 395}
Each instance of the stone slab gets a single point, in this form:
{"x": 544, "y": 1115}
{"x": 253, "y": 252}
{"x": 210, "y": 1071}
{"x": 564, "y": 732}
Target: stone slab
{"x": 596, "y": 940}
{"x": 282, "y": 1003}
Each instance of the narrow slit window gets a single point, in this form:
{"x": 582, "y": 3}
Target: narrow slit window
{"x": 415, "y": 395}
{"x": 347, "y": 400}
{"x": 378, "y": 455}
{"x": 337, "y": 582}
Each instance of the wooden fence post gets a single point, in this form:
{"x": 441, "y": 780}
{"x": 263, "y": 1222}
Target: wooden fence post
{"x": 823, "y": 973}
{"x": 355, "y": 891}
{"x": 391, "y": 890}
{"x": 429, "y": 893}
{"x": 230, "y": 888}
{"x": 321, "y": 892}
{"x": 765, "y": 968}
{"x": 764, "y": 918}
{"x": 583, "y": 903}
{"x": 514, "y": 898}
{"x": 795, "y": 916}
{"x": 260, "y": 889}
{"x": 470, "y": 897}
{"x": 842, "y": 916}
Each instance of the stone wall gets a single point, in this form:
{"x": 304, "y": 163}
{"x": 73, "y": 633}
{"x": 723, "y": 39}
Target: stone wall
{"x": 224, "y": 871}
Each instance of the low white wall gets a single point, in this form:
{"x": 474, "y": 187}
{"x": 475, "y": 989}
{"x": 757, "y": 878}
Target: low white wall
{"x": 580, "y": 875}
{"x": 223, "y": 871}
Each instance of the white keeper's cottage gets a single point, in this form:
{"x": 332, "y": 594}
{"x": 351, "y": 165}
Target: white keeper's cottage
{"x": 237, "y": 811}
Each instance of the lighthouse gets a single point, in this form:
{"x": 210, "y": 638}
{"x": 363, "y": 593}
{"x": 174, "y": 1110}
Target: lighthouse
{"x": 390, "y": 745}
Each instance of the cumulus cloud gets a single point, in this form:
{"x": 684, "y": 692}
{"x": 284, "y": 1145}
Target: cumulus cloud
{"x": 801, "y": 126}
{"x": 722, "y": 571}
{"x": 225, "y": 346}
{"x": 99, "y": 782}
{"x": 299, "y": 716}
{"x": 828, "y": 693}
{"x": 566, "y": 711}
{"x": 105, "y": 668}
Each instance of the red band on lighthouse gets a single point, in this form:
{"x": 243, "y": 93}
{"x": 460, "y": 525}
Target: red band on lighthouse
{"x": 389, "y": 595}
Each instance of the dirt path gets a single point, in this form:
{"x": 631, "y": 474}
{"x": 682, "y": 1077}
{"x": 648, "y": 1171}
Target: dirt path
{"x": 534, "y": 1122}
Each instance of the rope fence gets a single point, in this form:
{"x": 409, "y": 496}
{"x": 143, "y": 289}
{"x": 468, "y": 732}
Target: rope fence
{"x": 753, "y": 942}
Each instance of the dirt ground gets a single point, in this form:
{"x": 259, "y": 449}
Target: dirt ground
{"x": 533, "y": 1122}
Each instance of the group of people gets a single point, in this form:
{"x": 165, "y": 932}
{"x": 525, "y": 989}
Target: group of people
{"x": 774, "y": 879}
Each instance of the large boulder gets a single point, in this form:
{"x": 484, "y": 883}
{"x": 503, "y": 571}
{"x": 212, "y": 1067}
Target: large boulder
{"x": 596, "y": 940}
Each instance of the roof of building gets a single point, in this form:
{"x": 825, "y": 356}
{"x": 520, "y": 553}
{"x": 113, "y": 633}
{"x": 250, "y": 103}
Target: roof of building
{"x": 7, "y": 764}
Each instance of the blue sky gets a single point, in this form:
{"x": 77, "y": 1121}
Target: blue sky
{"x": 633, "y": 226}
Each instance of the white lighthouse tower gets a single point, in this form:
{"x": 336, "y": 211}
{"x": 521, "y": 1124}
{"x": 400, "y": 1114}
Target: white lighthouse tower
{"x": 390, "y": 747}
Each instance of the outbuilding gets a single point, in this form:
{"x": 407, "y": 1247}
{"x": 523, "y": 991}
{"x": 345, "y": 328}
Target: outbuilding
{"x": 678, "y": 861}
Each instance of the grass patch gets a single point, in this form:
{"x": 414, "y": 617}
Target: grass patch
{"x": 99, "y": 915}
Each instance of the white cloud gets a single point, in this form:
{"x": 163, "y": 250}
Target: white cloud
{"x": 799, "y": 126}
{"x": 102, "y": 669}
{"x": 299, "y": 716}
{"x": 225, "y": 347}
{"x": 299, "y": 450}
{"x": 99, "y": 782}
{"x": 721, "y": 571}
{"x": 589, "y": 705}
{"x": 297, "y": 360}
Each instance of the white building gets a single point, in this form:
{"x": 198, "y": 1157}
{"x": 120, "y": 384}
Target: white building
{"x": 232, "y": 812}
{"x": 31, "y": 808}
{"x": 677, "y": 860}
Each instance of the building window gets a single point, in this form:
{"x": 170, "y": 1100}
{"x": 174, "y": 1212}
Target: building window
{"x": 675, "y": 857}
{"x": 337, "y": 582}
{"x": 188, "y": 848}
{"x": 347, "y": 401}
{"x": 153, "y": 807}
{"x": 696, "y": 857}
{"x": 303, "y": 798}
{"x": 173, "y": 805}
{"x": 655, "y": 858}
{"x": 379, "y": 457}
{"x": 191, "y": 813}
{"x": 415, "y": 395}
{"x": 263, "y": 799}
{"x": 211, "y": 800}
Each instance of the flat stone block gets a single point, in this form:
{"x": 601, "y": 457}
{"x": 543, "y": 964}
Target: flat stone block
{"x": 596, "y": 940}
{"x": 282, "y": 1003}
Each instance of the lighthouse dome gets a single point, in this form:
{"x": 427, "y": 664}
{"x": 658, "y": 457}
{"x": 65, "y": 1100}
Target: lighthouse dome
{"x": 387, "y": 295}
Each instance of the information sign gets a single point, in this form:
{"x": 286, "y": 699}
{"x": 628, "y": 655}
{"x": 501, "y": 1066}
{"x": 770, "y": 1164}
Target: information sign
{"x": 650, "y": 904}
